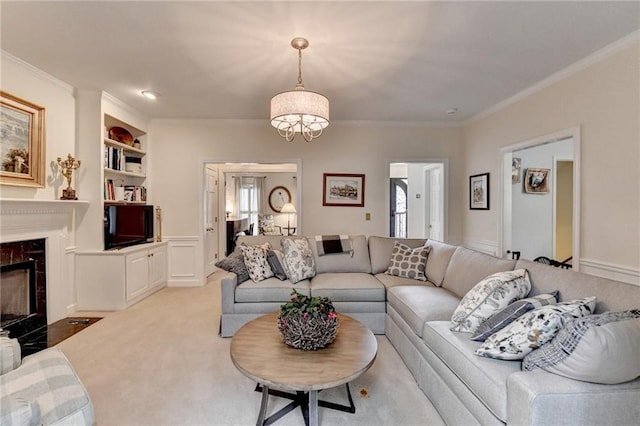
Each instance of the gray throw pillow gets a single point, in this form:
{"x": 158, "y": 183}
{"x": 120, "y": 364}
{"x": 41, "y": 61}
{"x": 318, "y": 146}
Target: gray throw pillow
{"x": 506, "y": 316}
{"x": 275, "y": 259}
{"x": 235, "y": 263}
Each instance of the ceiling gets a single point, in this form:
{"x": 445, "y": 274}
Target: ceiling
{"x": 383, "y": 61}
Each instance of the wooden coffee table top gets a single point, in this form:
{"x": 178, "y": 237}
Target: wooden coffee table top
{"x": 258, "y": 351}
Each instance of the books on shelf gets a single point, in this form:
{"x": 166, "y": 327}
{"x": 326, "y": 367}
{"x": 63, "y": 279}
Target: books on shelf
{"x": 132, "y": 193}
{"x": 115, "y": 159}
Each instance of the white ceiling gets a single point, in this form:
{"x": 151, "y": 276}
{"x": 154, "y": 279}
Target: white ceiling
{"x": 389, "y": 61}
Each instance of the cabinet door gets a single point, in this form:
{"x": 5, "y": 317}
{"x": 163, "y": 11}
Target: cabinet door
{"x": 157, "y": 266}
{"x": 137, "y": 274}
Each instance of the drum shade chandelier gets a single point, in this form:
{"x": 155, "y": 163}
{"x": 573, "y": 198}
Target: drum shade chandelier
{"x": 299, "y": 110}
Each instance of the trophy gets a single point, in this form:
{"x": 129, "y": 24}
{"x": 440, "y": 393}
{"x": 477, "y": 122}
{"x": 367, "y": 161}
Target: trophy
{"x": 68, "y": 166}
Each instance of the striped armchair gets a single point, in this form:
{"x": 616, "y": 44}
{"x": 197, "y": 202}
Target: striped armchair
{"x": 42, "y": 389}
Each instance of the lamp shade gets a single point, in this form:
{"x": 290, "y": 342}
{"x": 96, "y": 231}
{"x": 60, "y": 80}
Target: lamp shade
{"x": 301, "y": 110}
{"x": 288, "y": 208}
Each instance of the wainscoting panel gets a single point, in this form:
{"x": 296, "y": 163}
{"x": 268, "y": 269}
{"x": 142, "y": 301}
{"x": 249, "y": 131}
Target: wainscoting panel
{"x": 611, "y": 271}
{"x": 185, "y": 262}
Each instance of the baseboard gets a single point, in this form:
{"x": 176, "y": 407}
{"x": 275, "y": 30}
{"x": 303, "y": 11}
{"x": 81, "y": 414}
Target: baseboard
{"x": 610, "y": 271}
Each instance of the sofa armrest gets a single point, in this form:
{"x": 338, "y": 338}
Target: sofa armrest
{"x": 229, "y": 282}
{"x": 10, "y": 354}
{"x": 538, "y": 397}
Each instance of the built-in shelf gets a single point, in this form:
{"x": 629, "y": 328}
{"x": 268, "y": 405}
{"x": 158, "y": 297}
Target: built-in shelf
{"x": 123, "y": 173}
{"x": 123, "y": 146}
{"x": 137, "y": 203}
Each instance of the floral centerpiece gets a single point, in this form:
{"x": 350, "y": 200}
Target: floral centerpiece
{"x": 308, "y": 323}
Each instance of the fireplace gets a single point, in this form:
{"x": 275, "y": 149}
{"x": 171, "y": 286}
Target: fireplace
{"x": 23, "y": 289}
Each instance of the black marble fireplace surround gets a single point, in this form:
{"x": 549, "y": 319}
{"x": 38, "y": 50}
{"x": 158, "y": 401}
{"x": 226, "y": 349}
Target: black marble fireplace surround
{"x": 26, "y": 258}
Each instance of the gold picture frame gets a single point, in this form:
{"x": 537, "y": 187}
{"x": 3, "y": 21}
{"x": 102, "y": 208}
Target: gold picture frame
{"x": 22, "y": 149}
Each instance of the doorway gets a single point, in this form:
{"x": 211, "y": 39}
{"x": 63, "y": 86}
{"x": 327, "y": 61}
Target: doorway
{"x": 543, "y": 221}
{"x": 417, "y": 199}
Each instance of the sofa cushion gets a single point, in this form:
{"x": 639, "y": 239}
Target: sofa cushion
{"x": 487, "y": 297}
{"x": 348, "y": 287}
{"x": 438, "y": 260}
{"x": 486, "y": 378}
{"x": 276, "y": 262}
{"x": 380, "y": 249}
{"x": 48, "y": 381}
{"x": 418, "y": 304}
{"x": 255, "y": 259}
{"x": 235, "y": 263}
{"x": 506, "y": 316}
{"x": 356, "y": 261}
{"x": 298, "y": 259}
{"x": 408, "y": 262}
{"x": 390, "y": 281}
{"x": 601, "y": 348}
{"x": 534, "y": 329}
{"x": 269, "y": 290}
{"x": 467, "y": 267}
{"x": 10, "y": 354}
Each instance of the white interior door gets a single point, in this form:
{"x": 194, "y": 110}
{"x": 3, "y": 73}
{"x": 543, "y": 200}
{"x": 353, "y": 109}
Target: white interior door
{"x": 210, "y": 218}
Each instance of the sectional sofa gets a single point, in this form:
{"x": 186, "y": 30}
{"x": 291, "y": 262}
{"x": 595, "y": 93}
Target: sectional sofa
{"x": 415, "y": 316}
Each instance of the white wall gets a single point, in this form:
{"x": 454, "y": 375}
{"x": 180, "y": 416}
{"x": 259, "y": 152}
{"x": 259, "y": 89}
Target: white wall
{"x": 179, "y": 146}
{"x": 603, "y": 100}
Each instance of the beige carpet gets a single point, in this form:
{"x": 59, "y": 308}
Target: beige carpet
{"x": 161, "y": 362}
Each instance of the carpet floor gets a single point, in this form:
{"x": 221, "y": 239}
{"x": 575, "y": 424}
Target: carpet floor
{"x": 162, "y": 362}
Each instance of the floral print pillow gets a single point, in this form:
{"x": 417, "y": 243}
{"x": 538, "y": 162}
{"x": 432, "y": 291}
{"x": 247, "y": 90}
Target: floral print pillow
{"x": 298, "y": 259}
{"x": 534, "y": 329}
{"x": 255, "y": 259}
{"x": 489, "y": 296}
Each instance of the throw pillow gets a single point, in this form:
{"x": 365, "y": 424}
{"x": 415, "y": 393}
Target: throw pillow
{"x": 407, "y": 262}
{"x": 235, "y": 263}
{"x": 534, "y": 329}
{"x": 601, "y": 348}
{"x": 506, "y": 316}
{"x": 298, "y": 259}
{"x": 276, "y": 259}
{"x": 487, "y": 297}
{"x": 255, "y": 259}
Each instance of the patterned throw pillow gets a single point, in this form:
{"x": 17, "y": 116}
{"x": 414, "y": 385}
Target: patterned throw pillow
{"x": 255, "y": 259}
{"x": 407, "y": 262}
{"x": 298, "y": 259}
{"x": 487, "y": 297}
{"x": 235, "y": 263}
{"x": 601, "y": 348}
{"x": 534, "y": 329}
{"x": 506, "y": 316}
{"x": 276, "y": 261}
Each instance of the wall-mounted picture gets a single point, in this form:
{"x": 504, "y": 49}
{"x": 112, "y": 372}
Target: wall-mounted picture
{"x": 278, "y": 197}
{"x": 516, "y": 164}
{"x": 536, "y": 181}
{"x": 21, "y": 142}
{"x": 339, "y": 189}
{"x": 479, "y": 192}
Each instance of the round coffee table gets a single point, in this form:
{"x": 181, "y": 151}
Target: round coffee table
{"x": 257, "y": 350}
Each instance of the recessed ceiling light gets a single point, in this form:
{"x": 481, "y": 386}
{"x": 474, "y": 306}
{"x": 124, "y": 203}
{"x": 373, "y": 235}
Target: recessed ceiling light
{"x": 452, "y": 111}
{"x": 150, "y": 94}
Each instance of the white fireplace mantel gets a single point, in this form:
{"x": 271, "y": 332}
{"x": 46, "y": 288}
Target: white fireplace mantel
{"x": 32, "y": 206}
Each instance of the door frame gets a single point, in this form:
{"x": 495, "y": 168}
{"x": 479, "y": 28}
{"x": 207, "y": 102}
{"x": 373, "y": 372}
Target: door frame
{"x": 504, "y": 218}
{"x": 445, "y": 186}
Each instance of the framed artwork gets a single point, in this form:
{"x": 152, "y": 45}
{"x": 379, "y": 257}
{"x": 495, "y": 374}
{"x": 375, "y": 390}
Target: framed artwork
{"x": 340, "y": 189}
{"x": 536, "y": 181}
{"x": 479, "y": 192}
{"x": 516, "y": 164}
{"x": 22, "y": 143}
{"x": 278, "y": 197}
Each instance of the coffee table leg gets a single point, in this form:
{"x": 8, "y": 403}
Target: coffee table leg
{"x": 263, "y": 405}
{"x": 313, "y": 408}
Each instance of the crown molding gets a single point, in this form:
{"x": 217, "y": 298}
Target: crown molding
{"x": 600, "y": 55}
{"x": 6, "y": 56}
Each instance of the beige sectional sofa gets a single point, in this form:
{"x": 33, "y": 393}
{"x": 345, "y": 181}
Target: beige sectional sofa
{"x": 464, "y": 388}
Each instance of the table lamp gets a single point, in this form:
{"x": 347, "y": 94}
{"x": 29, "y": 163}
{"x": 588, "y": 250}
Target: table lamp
{"x": 288, "y": 208}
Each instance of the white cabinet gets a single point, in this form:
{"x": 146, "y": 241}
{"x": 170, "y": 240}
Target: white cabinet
{"x": 116, "y": 279}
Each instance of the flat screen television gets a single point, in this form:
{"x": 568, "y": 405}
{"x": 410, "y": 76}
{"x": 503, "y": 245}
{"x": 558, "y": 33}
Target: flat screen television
{"x": 126, "y": 225}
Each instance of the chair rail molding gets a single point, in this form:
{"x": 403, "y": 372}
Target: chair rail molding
{"x": 610, "y": 271}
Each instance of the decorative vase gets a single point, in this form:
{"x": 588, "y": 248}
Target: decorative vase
{"x": 308, "y": 332}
